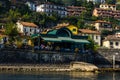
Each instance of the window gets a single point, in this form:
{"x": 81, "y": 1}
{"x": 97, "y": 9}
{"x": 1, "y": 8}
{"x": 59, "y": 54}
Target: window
{"x": 30, "y": 30}
{"x": 111, "y": 43}
{"x": 24, "y": 29}
{"x": 96, "y": 37}
{"x": 116, "y": 43}
{"x": 74, "y": 30}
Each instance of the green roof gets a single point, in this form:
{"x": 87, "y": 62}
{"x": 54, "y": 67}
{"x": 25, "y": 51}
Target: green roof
{"x": 52, "y": 32}
{"x": 34, "y": 35}
{"x": 65, "y": 39}
{"x": 51, "y": 39}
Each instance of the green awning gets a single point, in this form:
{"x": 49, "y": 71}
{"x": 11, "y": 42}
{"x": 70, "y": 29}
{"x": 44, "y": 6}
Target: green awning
{"x": 65, "y": 39}
{"x": 34, "y": 35}
{"x": 81, "y": 41}
{"x": 51, "y": 39}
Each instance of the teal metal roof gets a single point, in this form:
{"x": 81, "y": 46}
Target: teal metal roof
{"x": 65, "y": 39}
{"x": 35, "y": 35}
{"x": 51, "y": 39}
{"x": 52, "y": 32}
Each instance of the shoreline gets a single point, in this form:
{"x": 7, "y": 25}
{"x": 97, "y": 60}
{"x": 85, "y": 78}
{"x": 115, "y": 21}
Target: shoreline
{"x": 49, "y": 68}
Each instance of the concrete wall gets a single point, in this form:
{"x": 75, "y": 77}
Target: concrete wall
{"x": 105, "y": 56}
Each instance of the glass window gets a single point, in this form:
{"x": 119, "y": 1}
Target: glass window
{"x": 74, "y": 30}
{"x": 30, "y": 30}
{"x": 96, "y": 37}
{"x": 24, "y": 29}
{"x": 111, "y": 43}
{"x": 116, "y": 43}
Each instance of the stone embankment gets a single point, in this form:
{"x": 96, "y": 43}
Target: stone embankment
{"x": 74, "y": 66}
{"x": 31, "y": 67}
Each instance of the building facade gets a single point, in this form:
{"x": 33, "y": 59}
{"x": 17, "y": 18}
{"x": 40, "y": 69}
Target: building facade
{"x": 112, "y": 41}
{"x": 94, "y": 35}
{"x": 50, "y": 8}
{"x": 106, "y": 13}
{"x": 31, "y": 5}
{"x": 96, "y": 1}
{"x": 75, "y": 10}
{"x": 27, "y": 28}
{"x": 108, "y": 6}
{"x": 103, "y": 25}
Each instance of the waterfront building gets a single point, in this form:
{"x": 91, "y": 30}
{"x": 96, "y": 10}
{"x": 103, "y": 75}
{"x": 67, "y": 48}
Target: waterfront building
{"x": 103, "y": 25}
{"x": 94, "y": 35}
{"x": 75, "y": 10}
{"x": 50, "y": 8}
{"x": 63, "y": 39}
{"x": 72, "y": 28}
{"x": 112, "y": 41}
{"x": 27, "y": 28}
{"x": 106, "y": 13}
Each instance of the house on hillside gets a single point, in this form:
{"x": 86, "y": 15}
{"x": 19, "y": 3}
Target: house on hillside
{"x": 75, "y": 10}
{"x": 103, "y": 25}
{"x": 94, "y": 35}
{"x": 27, "y": 28}
{"x": 96, "y": 1}
{"x": 106, "y": 13}
{"x": 31, "y": 5}
{"x": 50, "y": 8}
{"x": 112, "y": 41}
{"x": 108, "y": 6}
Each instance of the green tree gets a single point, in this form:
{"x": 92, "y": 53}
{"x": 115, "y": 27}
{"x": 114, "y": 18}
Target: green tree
{"x": 118, "y": 6}
{"x": 69, "y": 2}
{"x": 13, "y": 15}
{"x": 110, "y": 1}
{"x": 80, "y": 24}
{"x": 23, "y": 9}
{"x": 11, "y": 31}
{"x": 92, "y": 45}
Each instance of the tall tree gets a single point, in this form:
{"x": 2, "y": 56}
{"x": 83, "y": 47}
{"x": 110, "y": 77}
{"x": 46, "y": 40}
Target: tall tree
{"x": 11, "y": 30}
{"x": 110, "y": 1}
{"x": 13, "y": 15}
{"x": 69, "y": 2}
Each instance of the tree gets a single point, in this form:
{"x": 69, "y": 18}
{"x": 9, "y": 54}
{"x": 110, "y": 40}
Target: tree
{"x": 80, "y": 23}
{"x": 11, "y": 31}
{"x": 118, "y": 6}
{"x": 92, "y": 45}
{"x": 23, "y": 9}
{"x": 69, "y": 2}
{"x": 110, "y": 1}
{"x": 13, "y": 15}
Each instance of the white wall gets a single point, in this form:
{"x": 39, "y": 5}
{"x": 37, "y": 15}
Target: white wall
{"x": 107, "y": 44}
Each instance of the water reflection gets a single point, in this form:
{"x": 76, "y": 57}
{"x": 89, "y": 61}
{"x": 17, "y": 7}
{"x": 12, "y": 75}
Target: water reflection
{"x": 60, "y": 76}
{"x": 83, "y": 74}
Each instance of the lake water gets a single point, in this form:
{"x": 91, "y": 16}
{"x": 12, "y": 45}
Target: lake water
{"x": 61, "y": 76}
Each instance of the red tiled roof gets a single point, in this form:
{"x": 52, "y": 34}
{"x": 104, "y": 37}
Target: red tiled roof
{"x": 88, "y": 31}
{"x": 29, "y": 24}
{"x": 101, "y": 21}
{"x": 112, "y": 37}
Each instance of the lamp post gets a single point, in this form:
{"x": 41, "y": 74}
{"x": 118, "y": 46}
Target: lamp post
{"x": 114, "y": 60}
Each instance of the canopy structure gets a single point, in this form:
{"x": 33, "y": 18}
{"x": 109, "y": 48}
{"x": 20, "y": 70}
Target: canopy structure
{"x": 65, "y": 39}
{"x": 62, "y": 35}
{"x": 35, "y": 35}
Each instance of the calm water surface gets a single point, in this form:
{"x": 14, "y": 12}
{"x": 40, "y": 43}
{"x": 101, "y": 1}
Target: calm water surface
{"x": 60, "y": 76}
